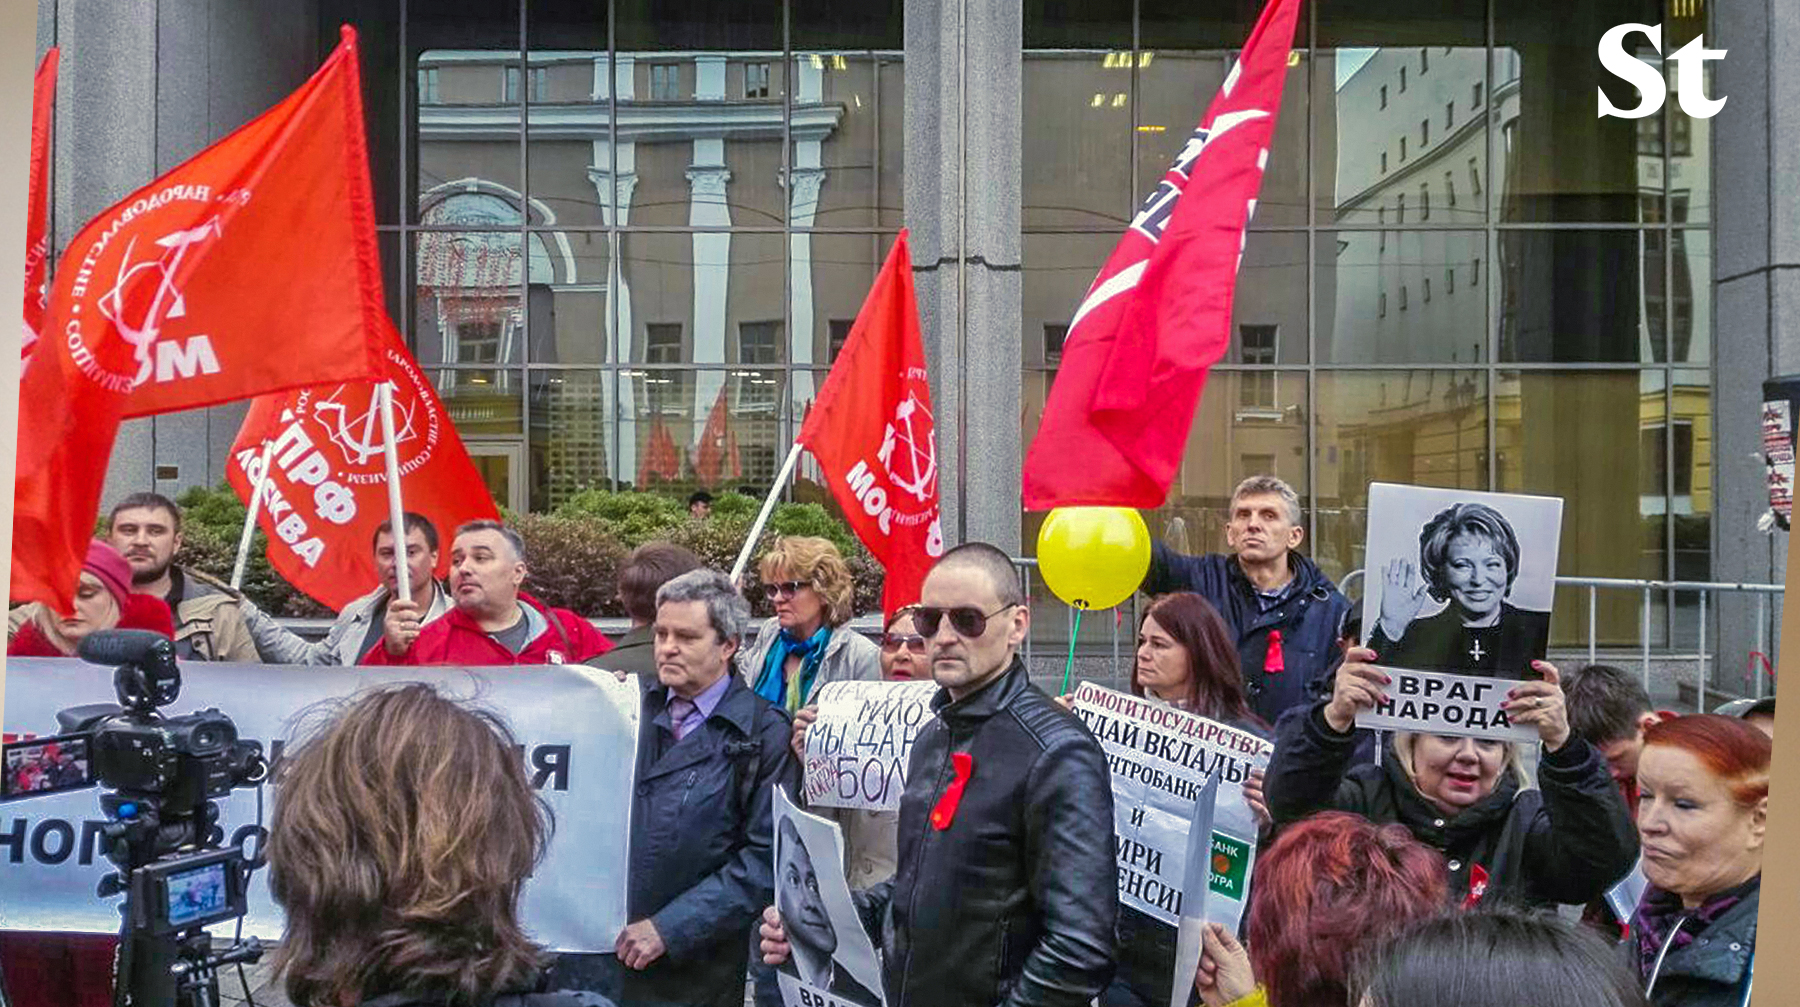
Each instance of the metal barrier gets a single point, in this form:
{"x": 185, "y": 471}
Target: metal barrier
{"x": 1707, "y": 591}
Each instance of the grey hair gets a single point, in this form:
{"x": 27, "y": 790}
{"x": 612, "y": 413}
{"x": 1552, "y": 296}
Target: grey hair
{"x": 727, "y": 609}
{"x": 512, "y": 537}
{"x": 1270, "y": 486}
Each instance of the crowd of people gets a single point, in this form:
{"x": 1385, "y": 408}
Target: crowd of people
{"x": 1395, "y": 869}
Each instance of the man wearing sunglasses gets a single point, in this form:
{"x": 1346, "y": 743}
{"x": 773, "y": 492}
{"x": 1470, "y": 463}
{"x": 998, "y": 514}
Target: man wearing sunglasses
{"x": 1007, "y": 891}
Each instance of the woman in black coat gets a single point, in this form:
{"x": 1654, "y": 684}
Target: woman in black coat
{"x": 1503, "y": 841}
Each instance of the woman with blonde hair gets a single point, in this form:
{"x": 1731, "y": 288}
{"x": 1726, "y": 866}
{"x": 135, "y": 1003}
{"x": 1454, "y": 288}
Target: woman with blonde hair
{"x": 806, "y": 644}
{"x": 400, "y": 875}
{"x": 1565, "y": 839}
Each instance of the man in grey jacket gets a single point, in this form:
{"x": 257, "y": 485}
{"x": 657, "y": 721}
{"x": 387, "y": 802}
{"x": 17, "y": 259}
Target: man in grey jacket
{"x": 359, "y": 625}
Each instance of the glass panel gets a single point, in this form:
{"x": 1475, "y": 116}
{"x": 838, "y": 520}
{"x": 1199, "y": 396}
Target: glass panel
{"x": 469, "y": 137}
{"x": 1690, "y": 139}
{"x": 705, "y": 298}
{"x": 1077, "y": 128}
{"x": 831, "y": 277}
{"x": 1691, "y": 461}
{"x": 1401, "y": 297}
{"x": 1579, "y": 296}
{"x": 483, "y": 404}
{"x": 1557, "y": 160}
{"x": 697, "y": 24}
{"x": 848, "y": 134}
{"x": 721, "y": 429}
{"x": 1058, "y": 270}
{"x": 1690, "y": 307}
{"x": 1404, "y": 22}
{"x": 1550, "y": 426}
{"x": 1421, "y": 427}
{"x": 567, "y": 87}
{"x": 1220, "y": 24}
{"x": 466, "y": 304}
{"x": 1268, "y": 322}
{"x": 1077, "y": 24}
{"x": 1174, "y": 89}
{"x": 569, "y": 311}
{"x": 1360, "y": 115}
{"x": 877, "y": 24}
{"x": 571, "y": 434}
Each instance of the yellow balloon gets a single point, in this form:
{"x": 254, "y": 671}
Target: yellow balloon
{"x": 1093, "y": 557}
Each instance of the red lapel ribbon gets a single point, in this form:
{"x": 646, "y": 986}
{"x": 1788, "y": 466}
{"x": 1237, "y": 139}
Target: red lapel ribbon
{"x": 941, "y": 816}
{"x": 1272, "y": 662}
{"x": 1478, "y": 882}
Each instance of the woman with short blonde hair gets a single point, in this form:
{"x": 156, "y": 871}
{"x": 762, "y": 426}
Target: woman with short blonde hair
{"x": 806, "y": 643}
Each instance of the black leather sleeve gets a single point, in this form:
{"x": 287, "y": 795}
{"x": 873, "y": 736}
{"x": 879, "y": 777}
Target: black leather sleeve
{"x": 1306, "y": 772}
{"x": 1582, "y": 840}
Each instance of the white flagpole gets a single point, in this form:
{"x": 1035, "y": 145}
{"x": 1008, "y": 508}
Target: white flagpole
{"x": 396, "y": 513}
{"x": 762, "y": 517}
{"x": 255, "y": 511}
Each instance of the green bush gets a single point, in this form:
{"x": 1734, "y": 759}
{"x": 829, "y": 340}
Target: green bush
{"x": 576, "y": 551}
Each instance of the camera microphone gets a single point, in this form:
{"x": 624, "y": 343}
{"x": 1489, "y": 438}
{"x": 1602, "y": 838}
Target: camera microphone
{"x": 114, "y": 647}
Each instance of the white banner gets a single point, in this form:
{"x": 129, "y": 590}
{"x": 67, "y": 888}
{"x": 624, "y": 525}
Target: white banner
{"x": 1160, "y": 758}
{"x": 1432, "y": 702}
{"x": 856, "y": 752}
{"x": 578, "y": 727}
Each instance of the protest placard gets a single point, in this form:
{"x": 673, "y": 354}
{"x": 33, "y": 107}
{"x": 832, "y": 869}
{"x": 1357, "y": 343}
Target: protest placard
{"x": 1160, "y": 758}
{"x": 1430, "y": 702}
{"x": 831, "y": 960}
{"x": 857, "y": 749}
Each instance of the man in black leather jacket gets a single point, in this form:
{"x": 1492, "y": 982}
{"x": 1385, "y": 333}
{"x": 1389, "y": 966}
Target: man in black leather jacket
{"x": 1007, "y": 888}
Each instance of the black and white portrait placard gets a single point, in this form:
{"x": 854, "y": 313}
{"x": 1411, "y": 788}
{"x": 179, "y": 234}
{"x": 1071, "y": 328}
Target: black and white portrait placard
{"x": 832, "y": 960}
{"x": 1459, "y": 581}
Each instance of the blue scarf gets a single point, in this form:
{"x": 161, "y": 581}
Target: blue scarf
{"x": 772, "y": 685}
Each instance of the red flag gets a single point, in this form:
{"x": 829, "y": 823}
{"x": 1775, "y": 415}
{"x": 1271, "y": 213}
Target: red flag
{"x": 37, "y": 211}
{"x": 872, "y": 432}
{"x": 716, "y": 460}
{"x": 248, "y": 269}
{"x": 661, "y": 459}
{"x": 1159, "y": 314}
{"x": 327, "y": 492}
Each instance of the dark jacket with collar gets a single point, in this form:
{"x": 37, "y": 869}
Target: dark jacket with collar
{"x": 1566, "y": 842}
{"x": 633, "y": 653}
{"x": 1714, "y": 970}
{"x": 1309, "y": 618}
{"x": 702, "y": 852}
{"x": 1013, "y": 902}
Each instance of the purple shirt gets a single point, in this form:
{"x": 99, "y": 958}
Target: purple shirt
{"x": 694, "y": 712}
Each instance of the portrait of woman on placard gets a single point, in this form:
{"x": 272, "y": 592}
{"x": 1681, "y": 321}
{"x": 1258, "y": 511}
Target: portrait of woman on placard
{"x": 1469, "y": 561}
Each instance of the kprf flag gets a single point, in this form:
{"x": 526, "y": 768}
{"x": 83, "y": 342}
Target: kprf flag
{"x": 249, "y": 269}
{"x": 37, "y": 210}
{"x": 871, "y": 430}
{"x": 716, "y": 459}
{"x": 326, "y": 492}
{"x": 1159, "y": 314}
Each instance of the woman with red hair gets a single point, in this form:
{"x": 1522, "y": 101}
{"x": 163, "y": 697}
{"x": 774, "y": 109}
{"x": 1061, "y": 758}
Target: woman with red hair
{"x": 1331, "y": 886}
{"x": 1703, "y": 804}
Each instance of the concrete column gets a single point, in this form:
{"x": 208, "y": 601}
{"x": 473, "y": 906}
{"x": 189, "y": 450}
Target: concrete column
{"x": 707, "y": 207}
{"x": 615, "y": 178}
{"x": 963, "y": 76}
{"x": 1756, "y": 273}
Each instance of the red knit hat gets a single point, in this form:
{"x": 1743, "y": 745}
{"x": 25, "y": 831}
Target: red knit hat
{"x": 104, "y": 562}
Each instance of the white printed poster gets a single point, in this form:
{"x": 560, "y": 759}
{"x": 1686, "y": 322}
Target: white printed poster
{"x": 1429, "y": 702}
{"x": 1460, "y": 581}
{"x": 832, "y": 960}
{"x": 857, "y": 749}
{"x": 578, "y": 726}
{"x": 1160, "y": 758}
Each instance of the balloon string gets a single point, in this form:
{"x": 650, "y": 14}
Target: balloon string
{"x": 1069, "y": 665}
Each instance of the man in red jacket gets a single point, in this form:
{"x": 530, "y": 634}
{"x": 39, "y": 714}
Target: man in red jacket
{"x": 494, "y": 622}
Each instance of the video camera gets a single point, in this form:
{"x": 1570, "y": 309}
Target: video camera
{"x": 161, "y": 776}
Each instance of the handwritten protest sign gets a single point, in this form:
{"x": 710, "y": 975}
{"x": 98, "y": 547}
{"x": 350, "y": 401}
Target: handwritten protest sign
{"x": 1431, "y": 702}
{"x": 1160, "y": 759}
{"x": 857, "y": 750}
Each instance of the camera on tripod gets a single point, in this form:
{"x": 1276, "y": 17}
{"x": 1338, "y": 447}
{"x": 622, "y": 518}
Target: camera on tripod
{"x": 160, "y": 777}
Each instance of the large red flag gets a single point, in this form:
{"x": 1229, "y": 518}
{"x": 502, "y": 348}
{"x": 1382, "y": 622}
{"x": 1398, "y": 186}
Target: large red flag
{"x": 327, "y": 492}
{"x": 37, "y": 211}
{"x": 1159, "y": 314}
{"x": 248, "y": 269}
{"x": 871, "y": 430}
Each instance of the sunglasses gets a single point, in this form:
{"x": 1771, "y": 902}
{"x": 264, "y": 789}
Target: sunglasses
{"x": 967, "y": 620}
{"x": 785, "y": 589}
{"x": 893, "y": 642}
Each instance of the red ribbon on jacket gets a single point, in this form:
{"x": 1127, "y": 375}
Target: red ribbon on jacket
{"x": 1272, "y": 660}
{"x": 941, "y": 816}
{"x": 1478, "y": 882}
